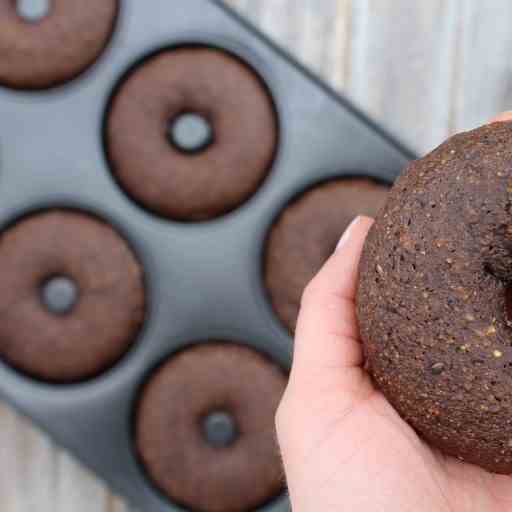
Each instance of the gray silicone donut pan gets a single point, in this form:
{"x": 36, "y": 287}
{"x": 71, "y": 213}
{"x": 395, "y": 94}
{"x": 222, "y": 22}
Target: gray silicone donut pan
{"x": 204, "y": 281}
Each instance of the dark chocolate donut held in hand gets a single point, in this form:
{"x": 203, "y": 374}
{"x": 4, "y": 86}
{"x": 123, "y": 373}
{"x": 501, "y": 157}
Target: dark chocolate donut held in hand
{"x": 432, "y": 299}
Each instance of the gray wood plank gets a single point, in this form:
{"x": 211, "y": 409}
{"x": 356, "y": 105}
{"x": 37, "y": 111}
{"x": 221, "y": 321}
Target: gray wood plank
{"x": 27, "y": 465}
{"x": 484, "y": 79}
{"x": 402, "y": 65}
{"x": 37, "y": 475}
{"x": 77, "y": 489}
{"x": 393, "y": 58}
{"x": 315, "y": 32}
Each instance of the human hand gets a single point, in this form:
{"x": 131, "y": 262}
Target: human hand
{"x": 344, "y": 447}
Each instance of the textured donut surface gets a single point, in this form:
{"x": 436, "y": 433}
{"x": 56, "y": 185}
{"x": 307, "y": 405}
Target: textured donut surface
{"x": 432, "y": 298}
{"x": 109, "y": 311}
{"x": 222, "y": 90}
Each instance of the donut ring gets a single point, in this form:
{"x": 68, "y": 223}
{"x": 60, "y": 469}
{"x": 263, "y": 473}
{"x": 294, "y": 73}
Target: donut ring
{"x": 432, "y": 299}
{"x": 108, "y": 313}
{"x": 306, "y": 233}
{"x": 170, "y": 441}
{"x": 57, "y": 48}
{"x": 225, "y": 92}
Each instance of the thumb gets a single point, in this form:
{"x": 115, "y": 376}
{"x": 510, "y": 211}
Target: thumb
{"x": 327, "y": 343}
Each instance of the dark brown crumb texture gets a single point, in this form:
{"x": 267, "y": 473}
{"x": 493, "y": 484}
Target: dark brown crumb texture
{"x": 432, "y": 299}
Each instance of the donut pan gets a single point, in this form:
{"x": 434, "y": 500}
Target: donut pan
{"x": 203, "y": 280}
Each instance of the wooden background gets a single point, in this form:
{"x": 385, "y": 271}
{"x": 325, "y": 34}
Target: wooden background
{"x": 424, "y": 68}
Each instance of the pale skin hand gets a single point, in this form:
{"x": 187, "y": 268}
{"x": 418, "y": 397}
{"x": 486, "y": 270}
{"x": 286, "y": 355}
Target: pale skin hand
{"x": 344, "y": 447}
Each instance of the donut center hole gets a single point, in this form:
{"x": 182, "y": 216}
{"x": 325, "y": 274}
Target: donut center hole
{"x": 33, "y": 10}
{"x": 220, "y": 429}
{"x": 59, "y": 295}
{"x": 190, "y": 132}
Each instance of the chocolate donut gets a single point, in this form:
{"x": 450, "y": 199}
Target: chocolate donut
{"x": 229, "y": 164}
{"x": 72, "y": 300}
{"x": 306, "y": 234}
{"x": 38, "y": 54}
{"x": 432, "y": 299}
{"x": 205, "y": 428}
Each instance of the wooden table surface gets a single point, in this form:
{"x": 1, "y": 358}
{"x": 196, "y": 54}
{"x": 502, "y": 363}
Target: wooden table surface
{"x": 425, "y": 69}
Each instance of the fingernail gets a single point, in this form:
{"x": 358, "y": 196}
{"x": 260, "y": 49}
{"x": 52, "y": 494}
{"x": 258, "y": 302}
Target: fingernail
{"x": 346, "y": 236}
{"x": 502, "y": 118}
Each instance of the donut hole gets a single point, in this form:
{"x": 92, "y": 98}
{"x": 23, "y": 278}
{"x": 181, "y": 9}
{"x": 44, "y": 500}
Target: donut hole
{"x": 33, "y": 11}
{"x": 190, "y": 132}
{"x": 220, "y": 429}
{"x": 59, "y": 294}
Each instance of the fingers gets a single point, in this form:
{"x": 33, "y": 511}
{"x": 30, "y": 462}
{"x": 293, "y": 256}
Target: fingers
{"x": 326, "y": 378}
{"x": 326, "y": 339}
{"x": 502, "y": 118}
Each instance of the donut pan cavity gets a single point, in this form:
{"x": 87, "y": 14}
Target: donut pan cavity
{"x": 203, "y": 280}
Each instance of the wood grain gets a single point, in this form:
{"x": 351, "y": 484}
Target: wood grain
{"x": 36, "y": 475}
{"x": 483, "y": 83}
{"x": 423, "y": 69}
